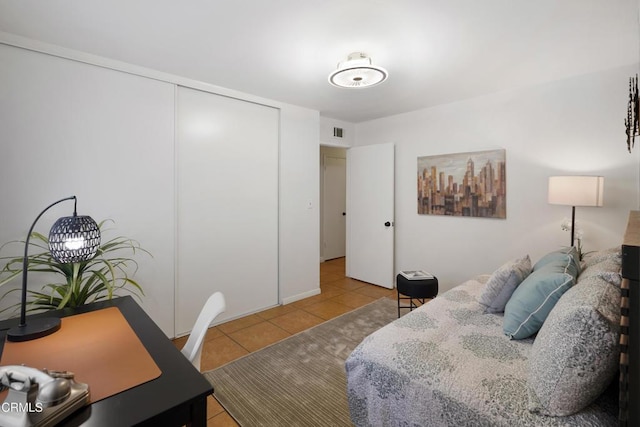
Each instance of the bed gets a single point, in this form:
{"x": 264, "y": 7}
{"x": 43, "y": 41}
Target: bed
{"x": 449, "y": 362}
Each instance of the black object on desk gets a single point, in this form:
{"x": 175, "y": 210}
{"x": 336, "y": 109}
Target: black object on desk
{"x": 177, "y": 397}
{"x": 419, "y": 289}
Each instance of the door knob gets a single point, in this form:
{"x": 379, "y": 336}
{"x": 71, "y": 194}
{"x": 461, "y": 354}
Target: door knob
{"x": 387, "y": 224}
{"x": 344, "y": 213}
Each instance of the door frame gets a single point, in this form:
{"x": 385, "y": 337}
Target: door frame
{"x": 326, "y": 150}
{"x": 328, "y": 234}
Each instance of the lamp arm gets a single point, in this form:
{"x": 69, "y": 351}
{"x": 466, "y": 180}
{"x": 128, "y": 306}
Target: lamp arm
{"x": 25, "y": 260}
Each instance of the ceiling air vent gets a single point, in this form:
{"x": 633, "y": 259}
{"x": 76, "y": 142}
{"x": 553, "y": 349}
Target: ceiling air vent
{"x": 337, "y": 132}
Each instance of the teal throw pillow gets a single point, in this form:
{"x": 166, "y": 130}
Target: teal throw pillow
{"x": 561, "y": 254}
{"x": 536, "y": 296}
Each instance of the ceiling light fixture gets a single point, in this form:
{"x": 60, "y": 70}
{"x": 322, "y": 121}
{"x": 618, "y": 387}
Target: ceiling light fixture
{"x": 357, "y": 72}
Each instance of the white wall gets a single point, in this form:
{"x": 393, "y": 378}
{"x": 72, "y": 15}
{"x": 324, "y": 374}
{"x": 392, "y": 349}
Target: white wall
{"x": 326, "y": 132}
{"x": 573, "y": 126}
{"x": 105, "y": 132}
{"x": 299, "y": 224}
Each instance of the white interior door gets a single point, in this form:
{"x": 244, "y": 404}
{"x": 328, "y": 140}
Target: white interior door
{"x": 227, "y": 173}
{"x": 334, "y": 207}
{"x": 370, "y": 214}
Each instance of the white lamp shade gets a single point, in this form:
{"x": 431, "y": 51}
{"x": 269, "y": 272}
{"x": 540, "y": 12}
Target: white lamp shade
{"x": 576, "y": 190}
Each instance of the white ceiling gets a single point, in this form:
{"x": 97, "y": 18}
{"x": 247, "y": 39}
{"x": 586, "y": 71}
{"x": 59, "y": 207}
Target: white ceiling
{"x": 436, "y": 51}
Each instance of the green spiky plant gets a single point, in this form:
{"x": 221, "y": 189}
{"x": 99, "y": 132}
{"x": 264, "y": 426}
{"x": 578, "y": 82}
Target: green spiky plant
{"x": 74, "y": 284}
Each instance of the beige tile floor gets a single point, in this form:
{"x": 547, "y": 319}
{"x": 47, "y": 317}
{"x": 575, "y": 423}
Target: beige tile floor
{"x": 229, "y": 341}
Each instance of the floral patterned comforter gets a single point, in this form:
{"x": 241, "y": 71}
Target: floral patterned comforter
{"x": 448, "y": 364}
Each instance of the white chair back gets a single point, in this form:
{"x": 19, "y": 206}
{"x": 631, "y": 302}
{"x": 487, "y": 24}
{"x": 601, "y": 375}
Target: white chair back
{"x": 192, "y": 349}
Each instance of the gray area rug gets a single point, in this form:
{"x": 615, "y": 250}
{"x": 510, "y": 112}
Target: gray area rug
{"x": 299, "y": 381}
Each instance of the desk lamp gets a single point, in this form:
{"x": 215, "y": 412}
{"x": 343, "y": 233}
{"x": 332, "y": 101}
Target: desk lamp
{"x": 71, "y": 239}
{"x": 575, "y": 191}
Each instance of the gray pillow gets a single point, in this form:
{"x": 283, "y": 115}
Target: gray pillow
{"x": 502, "y": 283}
{"x": 596, "y": 257}
{"x": 609, "y": 269}
{"x": 575, "y": 355}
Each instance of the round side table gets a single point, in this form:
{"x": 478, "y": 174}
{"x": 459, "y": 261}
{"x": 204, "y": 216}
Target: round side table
{"x": 415, "y": 289}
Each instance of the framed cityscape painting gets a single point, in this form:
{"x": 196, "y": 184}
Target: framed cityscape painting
{"x": 463, "y": 184}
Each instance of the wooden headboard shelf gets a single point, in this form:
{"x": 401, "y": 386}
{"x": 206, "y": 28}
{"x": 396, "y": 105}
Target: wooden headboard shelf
{"x": 632, "y": 234}
{"x": 630, "y": 324}
{"x": 631, "y": 247}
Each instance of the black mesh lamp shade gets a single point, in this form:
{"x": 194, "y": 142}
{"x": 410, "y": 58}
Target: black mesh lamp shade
{"x": 74, "y": 239}
{"x": 71, "y": 239}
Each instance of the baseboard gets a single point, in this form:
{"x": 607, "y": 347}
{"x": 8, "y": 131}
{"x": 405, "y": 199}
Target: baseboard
{"x": 298, "y": 297}
{"x": 322, "y": 259}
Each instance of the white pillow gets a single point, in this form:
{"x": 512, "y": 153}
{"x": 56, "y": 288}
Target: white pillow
{"x": 502, "y": 283}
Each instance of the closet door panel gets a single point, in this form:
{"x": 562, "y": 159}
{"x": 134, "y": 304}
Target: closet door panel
{"x": 72, "y": 128}
{"x": 227, "y": 207}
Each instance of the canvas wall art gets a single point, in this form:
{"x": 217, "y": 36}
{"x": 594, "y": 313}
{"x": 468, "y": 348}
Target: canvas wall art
{"x": 463, "y": 184}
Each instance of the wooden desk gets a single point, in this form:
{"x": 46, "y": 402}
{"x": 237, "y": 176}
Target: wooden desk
{"x": 178, "y": 397}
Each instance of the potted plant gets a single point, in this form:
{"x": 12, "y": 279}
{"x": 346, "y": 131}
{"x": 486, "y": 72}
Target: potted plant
{"x": 75, "y": 284}
{"x": 579, "y": 234}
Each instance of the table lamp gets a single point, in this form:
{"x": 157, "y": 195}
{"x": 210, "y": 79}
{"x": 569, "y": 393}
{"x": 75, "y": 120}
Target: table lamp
{"x": 576, "y": 191}
{"x": 71, "y": 239}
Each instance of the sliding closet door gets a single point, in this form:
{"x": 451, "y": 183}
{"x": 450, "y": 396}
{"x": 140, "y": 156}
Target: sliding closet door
{"x": 227, "y": 181}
